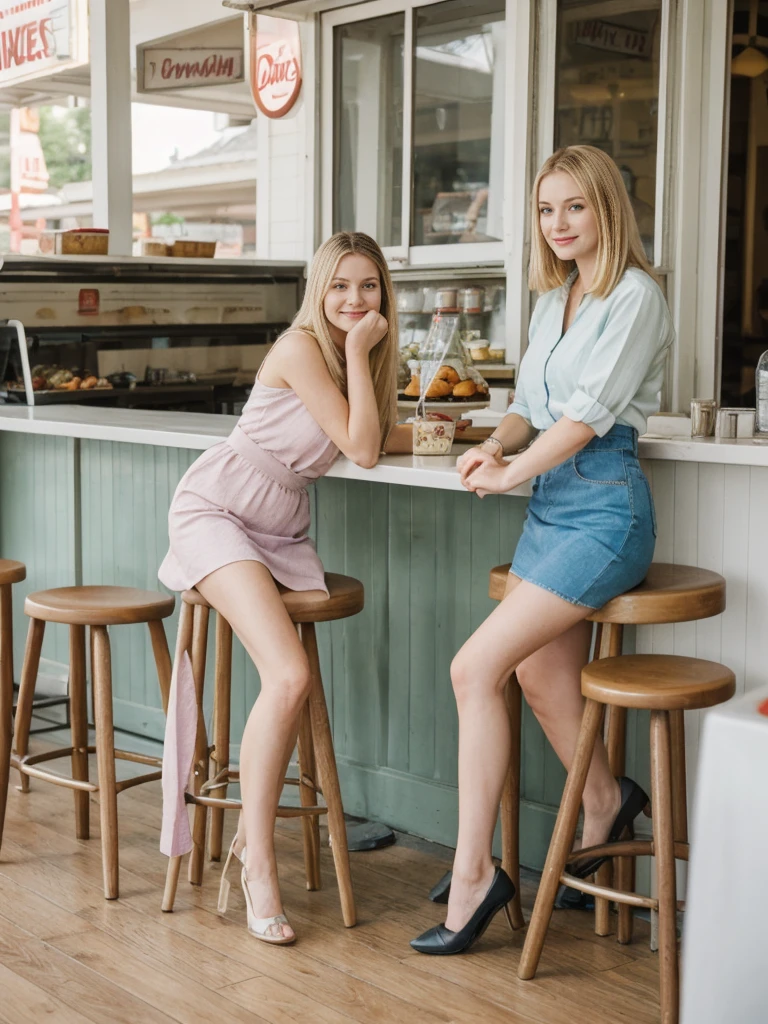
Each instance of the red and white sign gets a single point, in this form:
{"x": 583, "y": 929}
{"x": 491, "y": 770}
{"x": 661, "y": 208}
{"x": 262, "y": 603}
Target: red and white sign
{"x": 166, "y": 68}
{"x": 275, "y": 64}
{"x": 38, "y": 37}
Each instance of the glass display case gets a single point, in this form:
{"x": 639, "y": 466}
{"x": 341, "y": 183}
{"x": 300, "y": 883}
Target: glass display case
{"x": 477, "y": 298}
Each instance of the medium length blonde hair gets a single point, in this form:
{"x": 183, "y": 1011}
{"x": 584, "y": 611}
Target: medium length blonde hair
{"x": 311, "y": 319}
{"x": 618, "y": 237}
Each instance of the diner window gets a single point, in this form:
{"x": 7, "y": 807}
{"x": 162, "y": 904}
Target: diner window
{"x": 607, "y": 87}
{"x": 417, "y": 107}
{"x": 369, "y": 128}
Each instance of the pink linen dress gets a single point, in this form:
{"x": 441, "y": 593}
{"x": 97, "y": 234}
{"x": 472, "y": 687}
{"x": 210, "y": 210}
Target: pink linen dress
{"x": 243, "y": 499}
{"x": 246, "y": 498}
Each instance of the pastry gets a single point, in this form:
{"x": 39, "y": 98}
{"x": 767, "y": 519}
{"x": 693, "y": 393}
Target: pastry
{"x": 464, "y": 389}
{"x": 413, "y": 388}
{"x": 439, "y": 389}
{"x": 448, "y": 373}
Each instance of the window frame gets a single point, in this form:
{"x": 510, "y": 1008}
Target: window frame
{"x": 545, "y": 75}
{"x": 404, "y": 254}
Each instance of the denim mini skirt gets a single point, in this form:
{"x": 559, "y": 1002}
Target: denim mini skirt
{"x": 590, "y": 528}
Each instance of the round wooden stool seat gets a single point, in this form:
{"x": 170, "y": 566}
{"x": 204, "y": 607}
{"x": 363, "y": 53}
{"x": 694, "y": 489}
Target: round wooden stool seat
{"x": 669, "y": 593}
{"x": 346, "y": 598}
{"x": 12, "y": 572}
{"x": 98, "y": 606}
{"x": 657, "y": 682}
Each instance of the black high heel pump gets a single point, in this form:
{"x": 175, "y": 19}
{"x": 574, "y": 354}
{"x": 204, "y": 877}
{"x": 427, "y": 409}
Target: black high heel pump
{"x": 633, "y": 801}
{"x": 441, "y": 941}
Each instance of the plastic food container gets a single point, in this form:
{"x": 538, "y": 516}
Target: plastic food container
{"x": 471, "y": 300}
{"x": 433, "y": 437}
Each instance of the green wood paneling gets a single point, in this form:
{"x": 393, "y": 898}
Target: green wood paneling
{"x": 38, "y": 511}
{"x": 96, "y": 512}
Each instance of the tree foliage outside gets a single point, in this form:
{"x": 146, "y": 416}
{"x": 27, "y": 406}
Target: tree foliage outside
{"x": 65, "y": 136}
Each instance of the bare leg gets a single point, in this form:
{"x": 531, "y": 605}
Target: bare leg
{"x": 246, "y": 595}
{"x": 527, "y": 619}
{"x": 551, "y": 681}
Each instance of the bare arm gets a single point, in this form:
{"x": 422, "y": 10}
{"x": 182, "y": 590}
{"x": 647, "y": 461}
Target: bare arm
{"x": 554, "y": 446}
{"x": 351, "y": 423}
{"x": 512, "y": 434}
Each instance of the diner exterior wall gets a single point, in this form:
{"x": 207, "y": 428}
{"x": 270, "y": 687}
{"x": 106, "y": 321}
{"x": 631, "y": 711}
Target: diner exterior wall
{"x": 95, "y": 512}
{"x": 285, "y": 189}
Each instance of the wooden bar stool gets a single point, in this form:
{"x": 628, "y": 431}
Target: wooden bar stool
{"x": 668, "y": 594}
{"x": 317, "y": 761}
{"x": 664, "y": 685}
{"x": 10, "y": 572}
{"x": 97, "y": 607}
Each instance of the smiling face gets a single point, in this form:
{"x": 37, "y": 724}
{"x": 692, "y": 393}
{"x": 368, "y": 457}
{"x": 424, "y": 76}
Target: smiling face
{"x": 355, "y": 289}
{"x": 568, "y": 224}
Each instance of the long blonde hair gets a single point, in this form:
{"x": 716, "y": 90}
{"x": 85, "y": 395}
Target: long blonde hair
{"x": 311, "y": 319}
{"x": 618, "y": 237}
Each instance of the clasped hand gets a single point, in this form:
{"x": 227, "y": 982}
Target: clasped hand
{"x": 483, "y": 473}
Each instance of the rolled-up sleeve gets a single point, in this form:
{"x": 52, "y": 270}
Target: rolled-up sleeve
{"x": 520, "y": 405}
{"x": 635, "y": 332}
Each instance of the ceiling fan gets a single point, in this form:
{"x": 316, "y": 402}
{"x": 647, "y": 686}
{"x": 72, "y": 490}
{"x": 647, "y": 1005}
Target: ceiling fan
{"x": 752, "y": 61}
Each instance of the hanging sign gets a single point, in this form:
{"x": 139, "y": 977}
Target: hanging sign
{"x": 41, "y": 37}
{"x": 168, "y": 68}
{"x": 603, "y": 35}
{"x": 275, "y": 64}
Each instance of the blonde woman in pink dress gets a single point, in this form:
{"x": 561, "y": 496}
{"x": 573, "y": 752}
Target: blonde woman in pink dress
{"x": 239, "y": 520}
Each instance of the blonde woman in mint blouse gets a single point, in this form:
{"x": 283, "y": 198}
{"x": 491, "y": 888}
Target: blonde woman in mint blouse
{"x": 592, "y": 374}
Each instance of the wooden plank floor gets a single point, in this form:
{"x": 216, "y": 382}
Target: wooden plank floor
{"x": 67, "y": 955}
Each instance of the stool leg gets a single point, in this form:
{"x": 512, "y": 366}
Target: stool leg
{"x": 308, "y": 795}
{"x": 162, "y": 659}
{"x": 679, "y": 783}
{"x": 222, "y": 703}
{"x": 6, "y": 697}
{"x": 510, "y": 801}
{"x": 664, "y": 851}
{"x": 78, "y": 713}
{"x": 329, "y": 778}
{"x": 561, "y": 843}
{"x": 183, "y": 643}
{"x": 619, "y": 869}
{"x": 27, "y": 693}
{"x": 200, "y": 767}
{"x": 105, "y": 756}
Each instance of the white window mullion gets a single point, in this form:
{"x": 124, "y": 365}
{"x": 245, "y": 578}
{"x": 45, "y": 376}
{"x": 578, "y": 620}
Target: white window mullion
{"x": 327, "y": 134}
{"x": 661, "y": 221}
{"x": 407, "y": 194}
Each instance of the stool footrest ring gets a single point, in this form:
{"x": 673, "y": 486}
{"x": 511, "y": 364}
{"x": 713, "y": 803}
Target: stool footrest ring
{"x": 54, "y": 777}
{"x": 137, "y": 780}
{"x": 631, "y": 899}
{"x": 237, "y": 805}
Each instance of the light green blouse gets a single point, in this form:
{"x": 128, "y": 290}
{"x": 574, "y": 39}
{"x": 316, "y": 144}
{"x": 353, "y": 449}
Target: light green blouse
{"x": 607, "y": 368}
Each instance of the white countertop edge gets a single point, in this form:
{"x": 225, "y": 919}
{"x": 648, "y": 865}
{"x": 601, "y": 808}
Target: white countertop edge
{"x": 743, "y": 451}
{"x": 198, "y": 431}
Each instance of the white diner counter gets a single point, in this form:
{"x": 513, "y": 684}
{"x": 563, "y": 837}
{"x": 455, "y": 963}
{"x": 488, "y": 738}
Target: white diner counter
{"x": 85, "y": 499}
{"x": 202, "y": 430}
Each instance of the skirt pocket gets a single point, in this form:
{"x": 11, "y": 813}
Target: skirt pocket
{"x": 595, "y": 466}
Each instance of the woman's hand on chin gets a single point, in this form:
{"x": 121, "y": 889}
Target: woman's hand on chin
{"x": 490, "y": 477}
{"x": 367, "y": 333}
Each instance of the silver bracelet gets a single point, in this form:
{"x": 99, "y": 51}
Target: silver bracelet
{"x": 498, "y": 442}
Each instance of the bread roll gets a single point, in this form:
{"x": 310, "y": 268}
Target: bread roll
{"x": 439, "y": 389}
{"x": 465, "y": 389}
{"x": 413, "y": 388}
{"x": 448, "y": 373}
